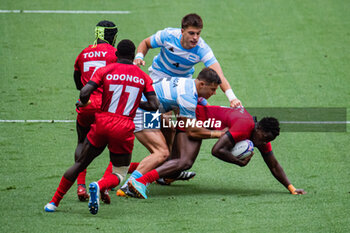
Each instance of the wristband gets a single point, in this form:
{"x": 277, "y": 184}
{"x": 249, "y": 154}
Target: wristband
{"x": 230, "y": 95}
{"x": 291, "y": 189}
{"x": 139, "y": 56}
{"x": 211, "y": 134}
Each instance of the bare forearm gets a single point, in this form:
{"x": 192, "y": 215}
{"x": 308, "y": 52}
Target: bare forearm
{"x": 225, "y": 85}
{"x": 144, "y": 46}
{"x": 202, "y": 133}
{"x": 77, "y": 80}
{"x": 280, "y": 175}
{"x": 86, "y": 91}
{"x": 148, "y": 106}
{"x": 152, "y": 103}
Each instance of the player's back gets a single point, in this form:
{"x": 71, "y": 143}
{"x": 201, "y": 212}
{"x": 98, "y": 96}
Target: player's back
{"x": 229, "y": 117}
{"x": 174, "y": 93}
{"x": 94, "y": 57}
{"x": 123, "y": 85}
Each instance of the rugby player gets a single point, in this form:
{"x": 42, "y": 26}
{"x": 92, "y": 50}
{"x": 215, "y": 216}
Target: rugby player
{"x": 240, "y": 124}
{"x": 99, "y": 54}
{"x": 173, "y": 93}
{"x": 123, "y": 84}
{"x": 180, "y": 50}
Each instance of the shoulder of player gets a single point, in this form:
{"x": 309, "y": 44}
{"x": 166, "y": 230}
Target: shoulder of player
{"x": 238, "y": 118}
{"x": 131, "y": 67}
{"x": 99, "y": 47}
{"x": 172, "y": 32}
{"x": 202, "y": 45}
{"x": 190, "y": 91}
{"x": 188, "y": 83}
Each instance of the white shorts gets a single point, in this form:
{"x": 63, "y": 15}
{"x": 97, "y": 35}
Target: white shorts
{"x": 138, "y": 120}
{"x": 157, "y": 75}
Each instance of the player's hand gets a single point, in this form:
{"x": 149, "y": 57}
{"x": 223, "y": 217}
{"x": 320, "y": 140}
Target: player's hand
{"x": 80, "y": 104}
{"x": 139, "y": 62}
{"x": 246, "y": 160}
{"x": 299, "y": 192}
{"x": 235, "y": 103}
{"x": 224, "y": 130}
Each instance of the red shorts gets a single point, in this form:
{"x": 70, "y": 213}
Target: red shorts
{"x": 86, "y": 115}
{"x": 115, "y": 131}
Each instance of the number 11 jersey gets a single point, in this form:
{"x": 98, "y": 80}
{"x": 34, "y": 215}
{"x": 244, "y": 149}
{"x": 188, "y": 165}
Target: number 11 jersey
{"x": 123, "y": 85}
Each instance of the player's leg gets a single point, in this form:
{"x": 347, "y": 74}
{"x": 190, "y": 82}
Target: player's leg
{"x": 120, "y": 165}
{"x": 169, "y": 132}
{"x": 120, "y": 139}
{"x": 154, "y": 141}
{"x": 133, "y": 166}
{"x": 178, "y": 150}
{"x": 186, "y": 148}
{"x": 81, "y": 132}
{"x": 88, "y": 154}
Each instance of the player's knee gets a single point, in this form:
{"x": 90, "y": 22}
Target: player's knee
{"x": 215, "y": 151}
{"x": 163, "y": 154}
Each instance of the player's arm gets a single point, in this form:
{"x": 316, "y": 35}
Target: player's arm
{"x": 142, "y": 50}
{"x": 278, "y": 172}
{"x": 85, "y": 93}
{"x": 225, "y": 86}
{"x": 77, "y": 79}
{"x": 222, "y": 150}
{"x": 152, "y": 103}
{"x": 200, "y": 132}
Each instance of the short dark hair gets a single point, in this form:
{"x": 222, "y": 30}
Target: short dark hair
{"x": 126, "y": 49}
{"x": 193, "y": 20}
{"x": 109, "y": 33}
{"x": 270, "y": 124}
{"x": 209, "y": 75}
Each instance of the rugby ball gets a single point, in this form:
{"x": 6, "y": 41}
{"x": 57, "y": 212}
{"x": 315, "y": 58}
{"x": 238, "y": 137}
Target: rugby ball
{"x": 243, "y": 149}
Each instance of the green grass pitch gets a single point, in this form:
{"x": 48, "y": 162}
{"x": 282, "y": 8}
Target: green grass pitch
{"x": 274, "y": 54}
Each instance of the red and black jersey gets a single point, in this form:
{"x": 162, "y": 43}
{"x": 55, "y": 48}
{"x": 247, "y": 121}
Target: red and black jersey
{"x": 240, "y": 123}
{"x": 123, "y": 85}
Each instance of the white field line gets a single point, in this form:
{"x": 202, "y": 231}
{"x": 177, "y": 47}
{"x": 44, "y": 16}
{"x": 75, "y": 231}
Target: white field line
{"x": 282, "y": 122}
{"x": 36, "y": 121}
{"x": 64, "y": 12}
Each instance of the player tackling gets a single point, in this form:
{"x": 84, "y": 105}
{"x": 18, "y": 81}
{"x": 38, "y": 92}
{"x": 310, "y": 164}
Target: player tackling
{"x": 237, "y": 125}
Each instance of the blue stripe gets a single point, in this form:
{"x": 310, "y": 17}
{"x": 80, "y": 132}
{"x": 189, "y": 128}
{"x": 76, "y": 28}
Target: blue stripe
{"x": 171, "y": 65}
{"x": 189, "y": 95}
{"x": 178, "y": 59}
{"x": 170, "y": 73}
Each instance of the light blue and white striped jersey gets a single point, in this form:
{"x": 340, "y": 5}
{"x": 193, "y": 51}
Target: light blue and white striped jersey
{"x": 177, "y": 93}
{"x": 173, "y": 59}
